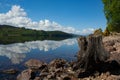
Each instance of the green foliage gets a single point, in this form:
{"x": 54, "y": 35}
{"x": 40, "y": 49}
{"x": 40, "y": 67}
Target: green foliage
{"x": 112, "y": 13}
{"x": 10, "y": 34}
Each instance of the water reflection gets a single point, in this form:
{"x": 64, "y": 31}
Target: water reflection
{"x": 17, "y": 52}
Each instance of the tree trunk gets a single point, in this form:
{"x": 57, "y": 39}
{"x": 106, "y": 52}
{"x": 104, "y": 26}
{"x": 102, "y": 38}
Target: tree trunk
{"x": 91, "y": 52}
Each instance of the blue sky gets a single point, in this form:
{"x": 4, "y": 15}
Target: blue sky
{"x": 79, "y": 14}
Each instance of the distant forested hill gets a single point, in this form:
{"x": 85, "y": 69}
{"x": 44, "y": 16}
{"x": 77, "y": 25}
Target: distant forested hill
{"x": 11, "y": 34}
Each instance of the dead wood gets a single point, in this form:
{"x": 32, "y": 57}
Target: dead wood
{"x": 91, "y": 52}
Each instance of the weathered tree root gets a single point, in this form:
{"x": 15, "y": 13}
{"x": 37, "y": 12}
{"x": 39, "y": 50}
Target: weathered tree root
{"x": 91, "y": 52}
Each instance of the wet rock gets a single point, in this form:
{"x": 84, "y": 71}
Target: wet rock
{"x": 10, "y": 71}
{"x": 59, "y": 78}
{"x": 25, "y": 75}
{"x": 51, "y": 76}
{"x": 57, "y": 63}
{"x": 70, "y": 71}
{"x": 44, "y": 74}
{"x": 45, "y": 70}
{"x": 68, "y": 77}
{"x": 59, "y": 70}
{"x": 35, "y": 64}
{"x": 37, "y": 78}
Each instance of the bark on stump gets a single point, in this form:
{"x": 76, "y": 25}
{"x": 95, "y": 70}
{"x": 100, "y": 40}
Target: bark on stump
{"x": 91, "y": 52}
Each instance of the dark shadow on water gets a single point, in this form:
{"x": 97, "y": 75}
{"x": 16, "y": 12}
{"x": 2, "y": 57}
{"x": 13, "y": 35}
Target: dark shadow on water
{"x": 10, "y": 40}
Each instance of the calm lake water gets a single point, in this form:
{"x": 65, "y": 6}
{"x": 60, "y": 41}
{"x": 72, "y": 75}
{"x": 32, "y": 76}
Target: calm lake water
{"x": 14, "y": 55}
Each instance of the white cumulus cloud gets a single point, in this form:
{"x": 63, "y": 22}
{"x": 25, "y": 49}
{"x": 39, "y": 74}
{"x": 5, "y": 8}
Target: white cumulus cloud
{"x": 87, "y": 31}
{"x": 16, "y": 16}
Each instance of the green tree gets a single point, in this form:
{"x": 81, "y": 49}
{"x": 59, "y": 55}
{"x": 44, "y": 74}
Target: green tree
{"x": 112, "y": 13}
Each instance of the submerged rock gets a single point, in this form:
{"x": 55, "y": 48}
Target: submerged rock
{"x": 10, "y": 71}
{"x": 35, "y": 64}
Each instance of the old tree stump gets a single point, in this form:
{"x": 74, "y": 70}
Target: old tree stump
{"x": 91, "y": 52}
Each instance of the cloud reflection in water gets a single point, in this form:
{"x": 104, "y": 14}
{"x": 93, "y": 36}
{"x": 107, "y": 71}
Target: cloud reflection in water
{"x": 16, "y": 52}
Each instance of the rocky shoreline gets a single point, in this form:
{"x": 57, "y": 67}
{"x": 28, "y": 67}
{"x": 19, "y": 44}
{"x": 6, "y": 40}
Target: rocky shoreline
{"x": 60, "y": 69}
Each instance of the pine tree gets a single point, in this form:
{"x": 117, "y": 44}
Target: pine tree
{"x": 112, "y": 13}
